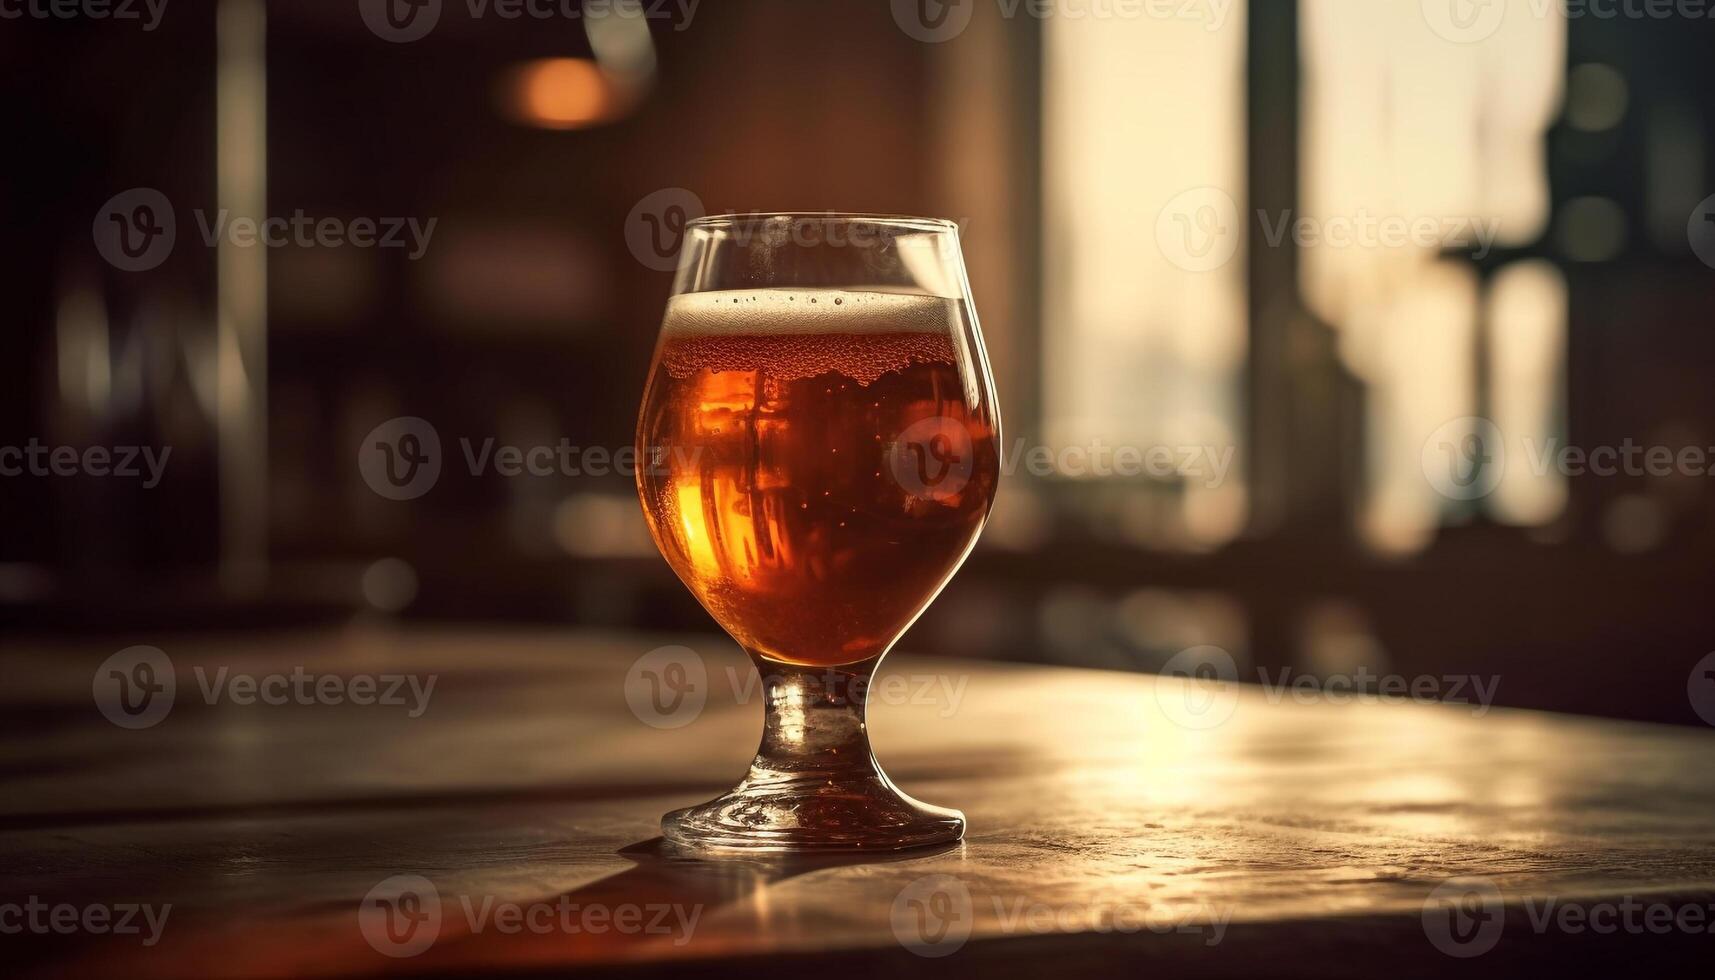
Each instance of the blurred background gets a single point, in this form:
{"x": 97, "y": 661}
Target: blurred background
{"x": 1318, "y": 237}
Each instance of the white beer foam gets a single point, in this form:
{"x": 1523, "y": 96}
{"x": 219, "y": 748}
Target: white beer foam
{"x": 773, "y": 312}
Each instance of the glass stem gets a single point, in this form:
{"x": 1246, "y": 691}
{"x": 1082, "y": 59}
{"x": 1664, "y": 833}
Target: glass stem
{"x": 814, "y": 784}
{"x": 813, "y": 727}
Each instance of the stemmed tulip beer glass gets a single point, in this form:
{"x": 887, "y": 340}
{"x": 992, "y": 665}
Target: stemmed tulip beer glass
{"x": 823, "y": 446}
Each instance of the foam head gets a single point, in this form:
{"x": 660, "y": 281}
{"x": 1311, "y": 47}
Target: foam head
{"x": 769, "y": 312}
{"x": 802, "y": 333}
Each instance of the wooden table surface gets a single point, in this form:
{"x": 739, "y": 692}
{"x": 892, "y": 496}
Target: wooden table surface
{"x": 1109, "y": 824}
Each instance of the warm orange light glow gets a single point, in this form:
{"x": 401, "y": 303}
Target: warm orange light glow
{"x": 561, "y": 93}
{"x": 697, "y": 542}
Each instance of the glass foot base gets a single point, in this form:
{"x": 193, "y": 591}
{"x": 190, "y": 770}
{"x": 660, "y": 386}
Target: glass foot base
{"x": 814, "y": 785}
{"x": 803, "y": 813}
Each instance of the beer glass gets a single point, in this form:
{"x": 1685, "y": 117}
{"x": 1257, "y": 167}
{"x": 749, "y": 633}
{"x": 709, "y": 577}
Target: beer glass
{"x": 819, "y": 447}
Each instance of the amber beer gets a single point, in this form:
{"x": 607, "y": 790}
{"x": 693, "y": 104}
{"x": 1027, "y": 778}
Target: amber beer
{"x": 822, "y": 464}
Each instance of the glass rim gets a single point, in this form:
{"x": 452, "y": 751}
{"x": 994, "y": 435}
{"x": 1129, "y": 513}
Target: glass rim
{"x": 731, "y": 218}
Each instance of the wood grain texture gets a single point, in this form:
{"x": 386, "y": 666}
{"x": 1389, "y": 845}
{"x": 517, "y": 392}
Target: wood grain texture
{"x": 1291, "y": 838}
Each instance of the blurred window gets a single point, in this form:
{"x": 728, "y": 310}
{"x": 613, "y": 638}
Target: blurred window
{"x": 1437, "y": 128}
{"x": 1143, "y": 292}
